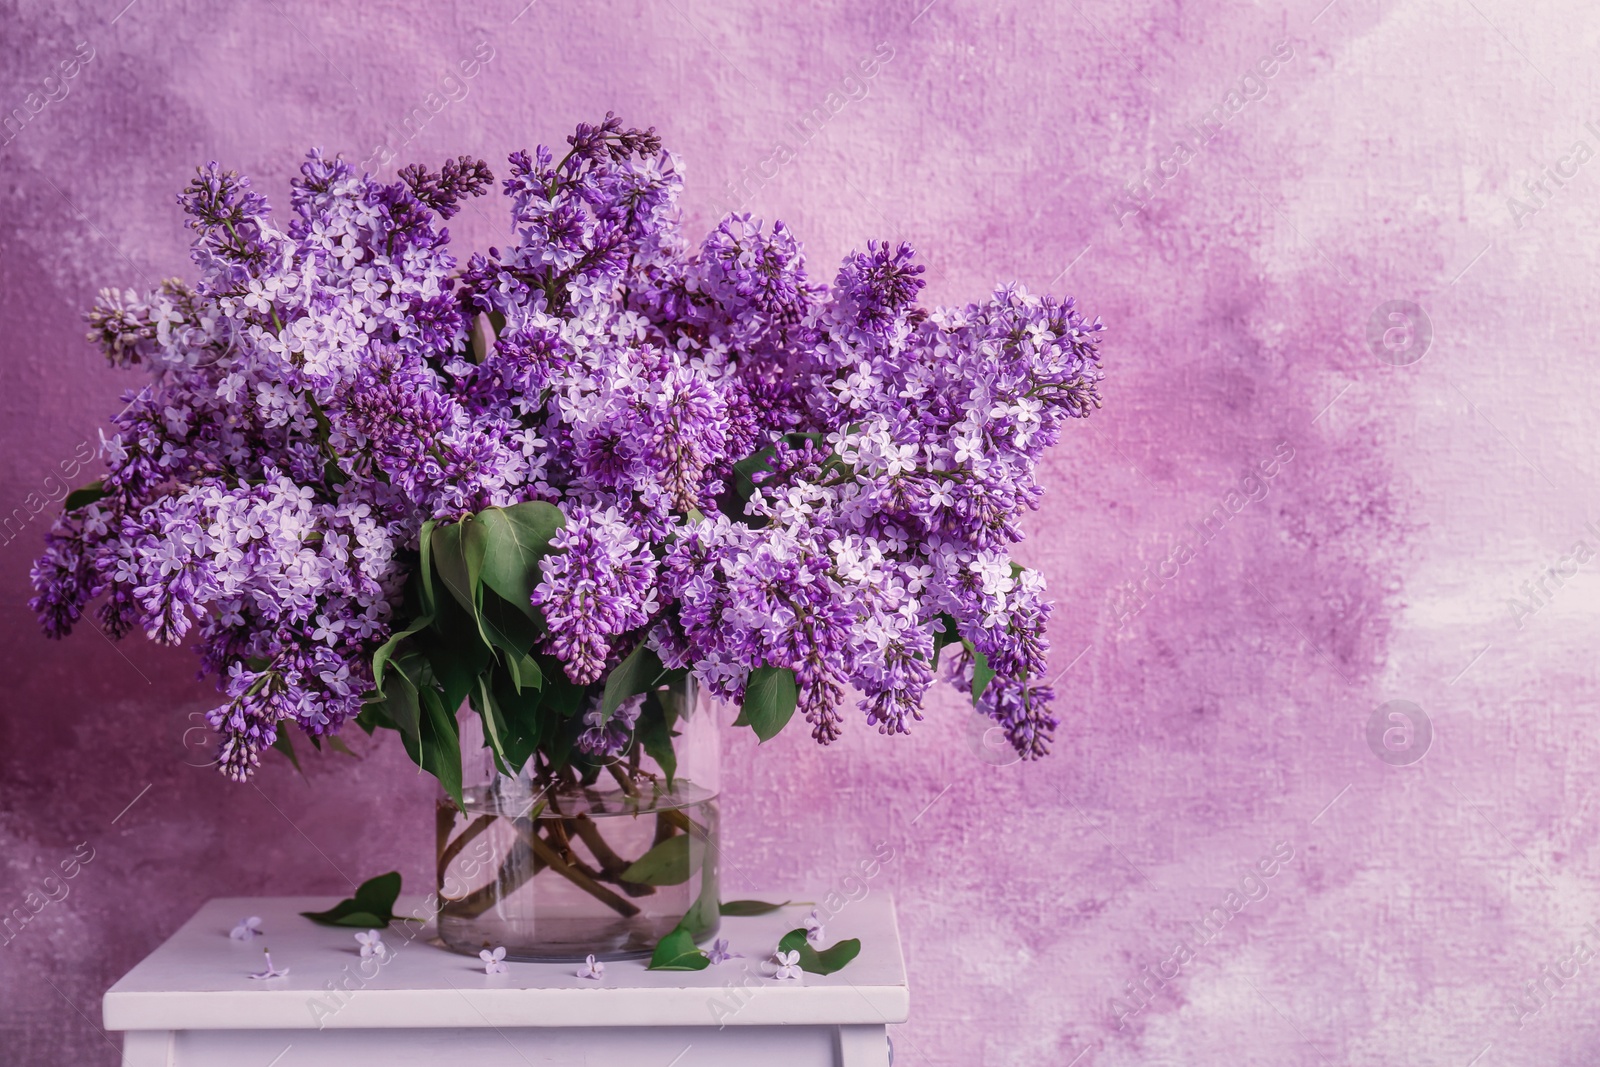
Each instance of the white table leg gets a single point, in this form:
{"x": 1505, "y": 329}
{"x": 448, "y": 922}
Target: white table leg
{"x": 863, "y": 1046}
{"x": 147, "y": 1048}
{"x": 687, "y": 1046}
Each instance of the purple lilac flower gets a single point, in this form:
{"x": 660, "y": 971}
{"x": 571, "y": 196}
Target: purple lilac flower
{"x": 609, "y": 736}
{"x": 599, "y": 583}
{"x": 329, "y": 382}
{"x": 720, "y": 953}
{"x": 458, "y": 178}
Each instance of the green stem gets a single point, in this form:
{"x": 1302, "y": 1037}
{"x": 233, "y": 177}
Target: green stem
{"x": 453, "y": 849}
{"x": 521, "y": 865}
{"x": 611, "y": 864}
{"x": 628, "y": 785}
{"x": 576, "y": 876}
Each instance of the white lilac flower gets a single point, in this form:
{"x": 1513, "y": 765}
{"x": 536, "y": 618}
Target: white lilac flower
{"x": 269, "y": 971}
{"x": 494, "y": 962}
{"x": 592, "y": 968}
{"x": 371, "y": 942}
{"x": 247, "y": 929}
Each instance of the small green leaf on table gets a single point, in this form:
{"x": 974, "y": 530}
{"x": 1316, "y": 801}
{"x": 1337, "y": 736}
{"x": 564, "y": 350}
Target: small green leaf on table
{"x": 677, "y": 952}
{"x": 372, "y": 906}
{"x": 825, "y": 962}
{"x": 747, "y": 908}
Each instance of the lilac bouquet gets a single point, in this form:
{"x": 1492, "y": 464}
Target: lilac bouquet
{"x": 378, "y": 485}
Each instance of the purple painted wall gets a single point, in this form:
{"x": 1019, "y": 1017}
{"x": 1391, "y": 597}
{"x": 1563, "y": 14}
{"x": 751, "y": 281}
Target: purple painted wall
{"x": 1219, "y": 714}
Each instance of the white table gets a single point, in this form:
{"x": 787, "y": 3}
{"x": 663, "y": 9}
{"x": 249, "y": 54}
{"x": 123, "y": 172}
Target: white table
{"x": 191, "y": 1004}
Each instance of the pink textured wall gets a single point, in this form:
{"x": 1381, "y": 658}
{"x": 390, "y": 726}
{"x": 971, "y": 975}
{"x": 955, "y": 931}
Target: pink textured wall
{"x": 1219, "y": 714}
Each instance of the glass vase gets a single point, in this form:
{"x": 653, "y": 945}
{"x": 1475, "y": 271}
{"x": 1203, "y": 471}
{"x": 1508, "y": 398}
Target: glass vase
{"x": 557, "y": 865}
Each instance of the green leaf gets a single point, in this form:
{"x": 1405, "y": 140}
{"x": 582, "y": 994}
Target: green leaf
{"x": 283, "y": 744}
{"x": 459, "y": 555}
{"x": 380, "y": 892}
{"x": 825, "y": 962}
{"x": 522, "y": 721}
{"x": 454, "y": 650}
{"x": 524, "y": 672}
{"x": 338, "y": 745}
{"x": 949, "y": 636}
{"x": 744, "y": 471}
{"x": 374, "y": 715}
{"x": 380, "y": 658}
{"x": 981, "y": 672}
{"x": 677, "y": 952}
{"x": 512, "y": 634}
{"x": 632, "y": 676}
{"x": 561, "y": 694}
{"x": 674, "y": 698}
{"x": 742, "y": 486}
{"x": 347, "y": 913}
{"x": 441, "y": 744}
{"x": 514, "y": 540}
{"x": 747, "y": 908}
{"x": 655, "y": 734}
{"x": 425, "y": 569}
{"x": 80, "y": 498}
{"x": 793, "y": 941}
{"x": 372, "y": 905}
{"x": 400, "y": 700}
{"x": 702, "y": 914}
{"x": 473, "y": 547}
{"x": 450, "y": 564}
{"x": 669, "y": 863}
{"x": 830, "y": 959}
{"x": 558, "y": 746}
{"x": 493, "y": 724}
{"x": 769, "y": 701}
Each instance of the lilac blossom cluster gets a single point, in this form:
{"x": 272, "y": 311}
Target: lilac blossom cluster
{"x": 755, "y": 469}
